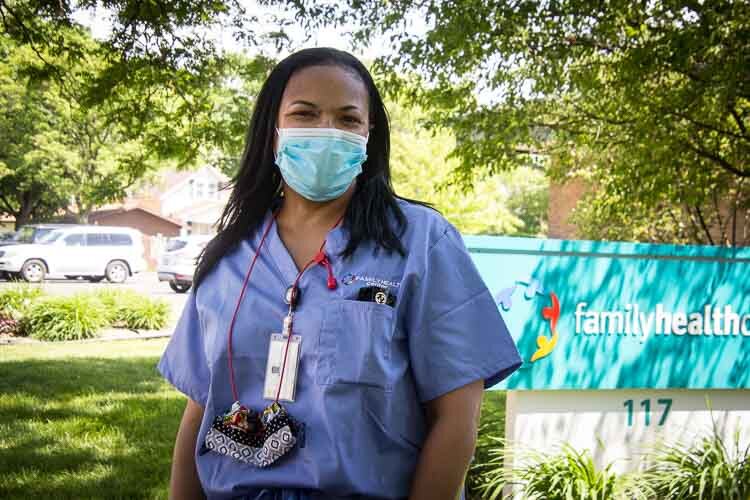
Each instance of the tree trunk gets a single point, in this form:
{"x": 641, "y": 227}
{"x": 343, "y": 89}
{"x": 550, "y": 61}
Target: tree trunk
{"x": 26, "y": 210}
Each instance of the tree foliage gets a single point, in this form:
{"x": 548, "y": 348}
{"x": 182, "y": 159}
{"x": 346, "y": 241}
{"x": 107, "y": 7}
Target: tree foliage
{"x": 509, "y": 203}
{"x": 63, "y": 150}
{"x": 648, "y": 100}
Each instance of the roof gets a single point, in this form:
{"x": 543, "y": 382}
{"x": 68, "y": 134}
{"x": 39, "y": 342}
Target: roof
{"x": 103, "y": 214}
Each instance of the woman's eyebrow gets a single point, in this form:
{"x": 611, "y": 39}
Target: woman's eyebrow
{"x": 349, "y": 107}
{"x": 305, "y": 103}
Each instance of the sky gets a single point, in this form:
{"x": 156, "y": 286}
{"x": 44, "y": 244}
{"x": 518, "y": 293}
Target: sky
{"x": 99, "y": 23}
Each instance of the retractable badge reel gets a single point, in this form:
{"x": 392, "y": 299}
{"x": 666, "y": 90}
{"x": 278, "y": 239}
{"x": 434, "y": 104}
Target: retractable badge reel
{"x": 283, "y": 355}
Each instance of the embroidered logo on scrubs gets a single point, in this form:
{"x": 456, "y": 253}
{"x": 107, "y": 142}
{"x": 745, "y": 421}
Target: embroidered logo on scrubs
{"x": 350, "y": 278}
{"x": 551, "y": 313}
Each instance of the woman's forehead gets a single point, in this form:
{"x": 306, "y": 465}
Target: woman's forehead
{"x": 326, "y": 87}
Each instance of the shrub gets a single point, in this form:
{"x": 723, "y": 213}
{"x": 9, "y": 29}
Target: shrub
{"x": 9, "y": 325}
{"x": 705, "y": 469}
{"x": 489, "y": 435}
{"x": 128, "y": 309}
{"x": 14, "y": 305}
{"x": 16, "y": 301}
{"x": 569, "y": 474}
{"x": 76, "y": 317}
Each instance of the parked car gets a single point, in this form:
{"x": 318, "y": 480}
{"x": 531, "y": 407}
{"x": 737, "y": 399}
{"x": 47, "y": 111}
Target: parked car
{"x": 177, "y": 264}
{"x": 31, "y": 233}
{"x": 92, "y": 252}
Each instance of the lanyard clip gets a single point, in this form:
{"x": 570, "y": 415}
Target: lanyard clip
{"x": 286, "y": 330}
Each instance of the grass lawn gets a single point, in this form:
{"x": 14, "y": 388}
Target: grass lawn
{"x": 86, "y": 420}
{"x": 96, "y": 420}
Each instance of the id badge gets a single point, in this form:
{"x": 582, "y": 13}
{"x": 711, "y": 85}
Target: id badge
{"x": 276, "y": 349}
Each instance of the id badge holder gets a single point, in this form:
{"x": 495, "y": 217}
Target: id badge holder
{"x": 277, "y": 347}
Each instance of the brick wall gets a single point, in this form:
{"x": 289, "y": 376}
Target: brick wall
{"x": 562, "y": 201}
{"x": 564, "y": 197}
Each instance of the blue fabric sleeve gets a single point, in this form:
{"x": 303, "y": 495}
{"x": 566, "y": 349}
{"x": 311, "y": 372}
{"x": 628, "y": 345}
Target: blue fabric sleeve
{"x": 457, "y": 335}
{"x": 184, "y": 362}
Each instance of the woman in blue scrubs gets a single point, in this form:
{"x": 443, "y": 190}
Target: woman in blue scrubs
{"x": 338, "y": 337}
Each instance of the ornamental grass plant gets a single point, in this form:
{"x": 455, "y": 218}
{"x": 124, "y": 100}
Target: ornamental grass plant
{"x": 568, "y": 474}
{"x": 128, "y": 309}
{"x": 25, "y": 310}
{"x": 76, "y": 317}
{"x": 706, "y": 469}
{"x": 15, "y": 302}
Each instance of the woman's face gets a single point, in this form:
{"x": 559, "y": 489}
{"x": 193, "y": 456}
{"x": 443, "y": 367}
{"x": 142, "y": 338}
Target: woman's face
{"x": 325, "y": 97}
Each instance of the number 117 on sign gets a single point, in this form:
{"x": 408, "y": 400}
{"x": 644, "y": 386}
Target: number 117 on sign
{"x": 665, "y": 404}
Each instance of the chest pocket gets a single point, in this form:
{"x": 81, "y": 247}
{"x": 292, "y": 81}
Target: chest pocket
{"x": 354, "y": 344}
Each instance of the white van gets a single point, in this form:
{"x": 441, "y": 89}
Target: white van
{"x": 93, "y": 252}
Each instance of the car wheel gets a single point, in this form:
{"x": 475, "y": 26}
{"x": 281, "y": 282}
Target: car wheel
{"x": 179, "y": 287}
{"x": 117, "y": 271}
{"x": 94, "y": 279}
{"x": 33, "y": 271}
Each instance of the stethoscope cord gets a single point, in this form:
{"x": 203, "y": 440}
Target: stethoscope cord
{"x": 319, "y": 258}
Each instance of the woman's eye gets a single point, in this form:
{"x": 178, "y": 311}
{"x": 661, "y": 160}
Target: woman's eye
{"x": 303, "y": 113}
{"x": 352, "y": 119}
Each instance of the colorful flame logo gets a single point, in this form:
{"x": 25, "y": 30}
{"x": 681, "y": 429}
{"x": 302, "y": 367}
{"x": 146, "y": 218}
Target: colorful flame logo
{"x": 551, "y": 313}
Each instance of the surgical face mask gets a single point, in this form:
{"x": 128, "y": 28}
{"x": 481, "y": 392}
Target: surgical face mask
{"x": 320, "y": 163}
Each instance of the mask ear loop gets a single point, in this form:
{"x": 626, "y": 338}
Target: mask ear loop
{"x": 278, "y": 140}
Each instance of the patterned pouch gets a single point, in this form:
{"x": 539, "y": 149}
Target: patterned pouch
{"x": 253, "y": 438}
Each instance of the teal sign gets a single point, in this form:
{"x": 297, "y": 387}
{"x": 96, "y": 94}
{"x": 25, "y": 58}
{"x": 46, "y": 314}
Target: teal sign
{"x": 591, "y": 315}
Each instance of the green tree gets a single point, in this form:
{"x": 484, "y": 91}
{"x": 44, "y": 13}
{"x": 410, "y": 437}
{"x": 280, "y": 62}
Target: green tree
{"x": 25, "y": 113}
{"x": 653, "y": 94}
{"x": 510, "y": 203}
{"x": 153, "y": 48}
{"x": 65, "y": 150}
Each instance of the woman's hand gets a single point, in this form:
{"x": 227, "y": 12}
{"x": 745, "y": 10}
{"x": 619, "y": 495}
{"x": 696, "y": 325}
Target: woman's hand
{"x": 453, "y": 419}
{"x": 184, "y": 484}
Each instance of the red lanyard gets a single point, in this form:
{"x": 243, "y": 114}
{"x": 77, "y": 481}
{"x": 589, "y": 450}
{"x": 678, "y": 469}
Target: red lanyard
{"x": 319, "y": 258}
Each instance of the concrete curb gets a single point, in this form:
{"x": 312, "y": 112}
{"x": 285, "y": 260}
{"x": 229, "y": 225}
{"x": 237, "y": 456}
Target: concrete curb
{"x": 107, "y": 335}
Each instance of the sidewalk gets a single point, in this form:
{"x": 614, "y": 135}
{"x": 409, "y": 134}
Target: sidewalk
{"x": 105, "y": 335}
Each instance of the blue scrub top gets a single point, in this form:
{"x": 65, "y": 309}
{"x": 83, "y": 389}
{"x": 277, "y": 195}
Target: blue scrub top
{"x": 365, "y": 368}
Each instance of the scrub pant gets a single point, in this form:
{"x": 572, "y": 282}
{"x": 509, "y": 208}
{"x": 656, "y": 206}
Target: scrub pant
{"x": 278, "y": 494}
{"x": 288, "y": 494}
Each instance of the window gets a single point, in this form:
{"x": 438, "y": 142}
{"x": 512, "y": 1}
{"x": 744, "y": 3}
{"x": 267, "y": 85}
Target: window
{"x": 174, "y": 245}
{"x": 25, "y": 234}
{"x": 120, "y": 239}
{"x": 97, "y": 239}
{"x": 49, "y": 237}
{"x": 75, "y": 240}
{"x": 211, "y": 191}
{"x": 198, "y": 190}
{"x": 40, "y": 233}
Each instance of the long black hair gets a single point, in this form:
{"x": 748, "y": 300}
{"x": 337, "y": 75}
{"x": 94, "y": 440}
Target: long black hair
{"x": 257, "y": 185}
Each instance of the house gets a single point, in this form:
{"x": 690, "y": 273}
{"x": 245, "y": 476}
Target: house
{"x": 178, "y": 203}
{"x": 196, "y": 198}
